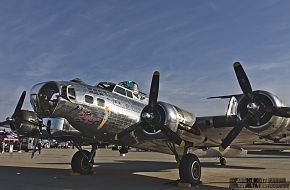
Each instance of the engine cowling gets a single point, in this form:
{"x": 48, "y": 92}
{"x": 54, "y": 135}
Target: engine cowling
{"x": 26, "y": 124}
{"x": 171, "y": 117}
{"x": 58, "y": 127}
{"x": 264, "y": 123}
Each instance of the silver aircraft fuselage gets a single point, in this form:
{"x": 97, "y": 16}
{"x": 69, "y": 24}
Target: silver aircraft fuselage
{"x": 96, "y": 112}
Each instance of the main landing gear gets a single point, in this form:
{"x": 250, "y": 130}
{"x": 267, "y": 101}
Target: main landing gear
{"x": 83, "y": 161}
{"x": 190, "y": 169}
{"x": 189, "y": 165}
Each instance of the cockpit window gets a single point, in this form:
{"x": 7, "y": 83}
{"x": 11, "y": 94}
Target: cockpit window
{"x": 71, "y": 93}
{"x": 120, "y": 90}
{"x": 89, "y": 99}
{"x": 129, "y": 94}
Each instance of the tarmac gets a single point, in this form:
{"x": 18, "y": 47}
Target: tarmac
{"x": 137, "y": 170}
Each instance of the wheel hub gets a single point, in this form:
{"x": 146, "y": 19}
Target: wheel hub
{"x": 195, "y": 170}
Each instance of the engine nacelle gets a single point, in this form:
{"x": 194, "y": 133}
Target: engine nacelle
{"x": 267, "y": 124}
{"x": 58, "y": 127}
{"x": 28, "y": 124}
{"x": 173, "y": 116}
{"x": 169, "y": 116}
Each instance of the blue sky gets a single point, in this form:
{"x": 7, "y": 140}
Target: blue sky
{"x": 193, "y": 43}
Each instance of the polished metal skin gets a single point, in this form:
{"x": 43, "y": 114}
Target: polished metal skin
{"x": 98, "y": 113}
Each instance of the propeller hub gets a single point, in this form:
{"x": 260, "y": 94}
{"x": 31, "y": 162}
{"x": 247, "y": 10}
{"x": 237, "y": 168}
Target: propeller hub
{"x": 253, "y": 107}
{"x": 147, "y": 116}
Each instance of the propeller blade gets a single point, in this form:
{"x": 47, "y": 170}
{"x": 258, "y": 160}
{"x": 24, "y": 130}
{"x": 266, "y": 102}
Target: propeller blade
{"x": 127, "y": 130}
{"x": 281, "y": 111}
{"x": 172, "y": 136}
{"x": 243, "y": 81}
{"x": 154, "y": 91}
{"x": 19, "y": 104}
{"x": 233, "y": 134}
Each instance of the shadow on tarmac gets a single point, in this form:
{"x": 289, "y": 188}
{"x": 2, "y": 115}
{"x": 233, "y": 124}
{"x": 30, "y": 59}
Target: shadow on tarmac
{"x": 118, "y": 175}
{"x": 217, "y": 165}
{"x": 268, "y": 154}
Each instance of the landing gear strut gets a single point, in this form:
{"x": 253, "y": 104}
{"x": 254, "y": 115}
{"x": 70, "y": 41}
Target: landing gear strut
{"x": 190, "y": 169}
{"x": 83, "y": 161}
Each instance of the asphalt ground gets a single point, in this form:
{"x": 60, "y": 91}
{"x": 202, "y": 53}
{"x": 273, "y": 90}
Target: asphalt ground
{"x": 137, "y": 170}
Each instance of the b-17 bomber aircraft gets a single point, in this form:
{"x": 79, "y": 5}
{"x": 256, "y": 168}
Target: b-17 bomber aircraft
{"x": 120, "y": 114}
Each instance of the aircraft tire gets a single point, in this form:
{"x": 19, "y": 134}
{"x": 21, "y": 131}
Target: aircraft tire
{"x": 80, "y": 164}
{"x": 190, "y": 169}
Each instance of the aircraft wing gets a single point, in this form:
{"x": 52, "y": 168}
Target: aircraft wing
{"x": 260, "y": 116}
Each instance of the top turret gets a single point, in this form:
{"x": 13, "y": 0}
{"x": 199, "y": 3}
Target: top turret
{"x": 130, "y": 85}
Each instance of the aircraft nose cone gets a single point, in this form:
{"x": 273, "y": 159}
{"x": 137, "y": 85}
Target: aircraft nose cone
{"x": 44, "y": 98}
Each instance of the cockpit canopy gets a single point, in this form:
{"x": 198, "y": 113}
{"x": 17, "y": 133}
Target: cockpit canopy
{"x": 129, "y": 89}
{"x": 130, "y": 85}
{"x": 126, "y": 84}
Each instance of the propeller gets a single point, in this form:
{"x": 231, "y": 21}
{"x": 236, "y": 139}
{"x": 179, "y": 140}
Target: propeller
{"x": 149, "y": 113}
{"x": 21, "y": 116}
{"x": 248, "y": 92}
{"x": 15, "y": 120}
{"x": 151, "y": 116}
{"x": 254, "y": 108}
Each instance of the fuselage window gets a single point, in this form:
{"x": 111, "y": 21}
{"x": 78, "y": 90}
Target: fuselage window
{"x": 129, "y": 94}
{"x": 89, "y": 99}
{"x": 71, "y": 93}
{"x": 100, "y": 102}
{"x": 120, "y": 90}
